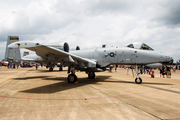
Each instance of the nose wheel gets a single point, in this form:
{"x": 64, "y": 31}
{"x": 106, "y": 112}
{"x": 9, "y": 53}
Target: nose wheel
{"x": 138, "y": 80}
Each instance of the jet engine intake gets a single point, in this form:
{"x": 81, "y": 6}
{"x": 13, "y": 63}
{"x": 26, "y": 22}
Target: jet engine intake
{"x": 75, "y": 48}
{"x": 66, "y": 47}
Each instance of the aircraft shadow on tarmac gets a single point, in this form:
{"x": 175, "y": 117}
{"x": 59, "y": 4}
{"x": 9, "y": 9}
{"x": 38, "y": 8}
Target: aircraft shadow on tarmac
{"x": 28, "y": 78}
{"x": 62, "y": 85}
{"x": 49, "y": 71}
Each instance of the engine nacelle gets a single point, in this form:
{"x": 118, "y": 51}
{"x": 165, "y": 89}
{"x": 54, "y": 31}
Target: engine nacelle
{"x": 64, "y": 47}
{"x": 77, "y": 48}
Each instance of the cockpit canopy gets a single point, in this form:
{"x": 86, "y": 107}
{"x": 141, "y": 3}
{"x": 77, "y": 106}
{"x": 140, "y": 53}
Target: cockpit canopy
{"x": 139, "y": 45}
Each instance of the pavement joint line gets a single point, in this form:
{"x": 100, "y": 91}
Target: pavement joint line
{"x": 5, "y": 84}
{"x": 4, "y": 79}
{"x": 171, "y": 119}
{"x": 168, "y": 90}
{"x": 126, "y": 103}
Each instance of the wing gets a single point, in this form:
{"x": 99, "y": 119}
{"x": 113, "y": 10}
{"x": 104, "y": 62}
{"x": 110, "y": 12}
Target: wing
{"x": 55, "y": 54}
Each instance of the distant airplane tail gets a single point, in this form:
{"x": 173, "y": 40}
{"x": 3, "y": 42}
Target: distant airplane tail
{"x": 12, "y": 54}
{"x": 25, "y": 53}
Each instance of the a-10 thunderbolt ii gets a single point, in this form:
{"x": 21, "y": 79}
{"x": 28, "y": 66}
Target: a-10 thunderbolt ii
{"x": 97, "y": 60}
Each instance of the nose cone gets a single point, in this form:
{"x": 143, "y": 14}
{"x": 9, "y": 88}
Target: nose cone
{"x": 168, "y": 60}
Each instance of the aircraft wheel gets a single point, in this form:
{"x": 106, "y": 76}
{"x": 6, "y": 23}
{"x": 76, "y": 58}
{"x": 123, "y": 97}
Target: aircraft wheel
{"x": 91, "y": 75}
{"x": 50, "y": 69}
{"x": 60, "y": 69}
{"x": 138, "y": 81}
{"x": 72, "y": 78}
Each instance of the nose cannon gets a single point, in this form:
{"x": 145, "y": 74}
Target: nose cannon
{"x": 168, "y": 61}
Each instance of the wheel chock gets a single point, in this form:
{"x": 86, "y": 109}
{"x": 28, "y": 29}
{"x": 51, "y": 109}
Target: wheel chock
{"x": 76, "y": 82}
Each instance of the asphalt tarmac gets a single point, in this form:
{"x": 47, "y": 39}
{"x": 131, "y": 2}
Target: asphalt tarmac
{"x": 30, "y": 94}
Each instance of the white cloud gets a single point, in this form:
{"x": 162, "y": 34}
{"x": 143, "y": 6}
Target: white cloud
{"x": 90, "y": 24}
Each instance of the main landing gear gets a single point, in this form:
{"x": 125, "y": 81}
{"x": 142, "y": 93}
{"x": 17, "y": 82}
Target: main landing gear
{"x": 71, "y": 77}
{"x": 91, "y": 75}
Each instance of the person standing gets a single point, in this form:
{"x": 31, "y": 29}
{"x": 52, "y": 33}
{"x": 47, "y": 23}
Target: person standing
{"x": 161, "y": 71}
{"x": 168, "y": 72}
{"x": 116, "y": 68}
{"x": 36, "y": 66}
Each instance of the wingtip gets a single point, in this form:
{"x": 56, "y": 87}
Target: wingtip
{"x": 14, "y": 45}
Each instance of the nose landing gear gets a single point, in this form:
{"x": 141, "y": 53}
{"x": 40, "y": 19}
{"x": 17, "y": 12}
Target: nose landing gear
{"x": 138, "y": 80}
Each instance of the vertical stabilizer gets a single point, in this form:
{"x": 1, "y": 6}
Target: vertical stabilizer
{"x": 12, "y": 54}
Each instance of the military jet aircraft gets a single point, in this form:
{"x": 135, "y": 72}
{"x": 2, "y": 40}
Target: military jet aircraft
{"x": 97, "y": 60}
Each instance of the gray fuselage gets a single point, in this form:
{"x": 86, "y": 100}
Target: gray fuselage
{"x": 123, "y": 56}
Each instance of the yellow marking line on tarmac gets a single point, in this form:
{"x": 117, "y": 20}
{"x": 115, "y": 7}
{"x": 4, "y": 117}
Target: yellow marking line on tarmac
{"x": 6, "y": 78}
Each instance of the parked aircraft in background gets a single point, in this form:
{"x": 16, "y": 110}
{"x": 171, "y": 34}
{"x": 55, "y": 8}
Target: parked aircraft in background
{"x": 92, "y": 61}
{"x": 3, "y": 63}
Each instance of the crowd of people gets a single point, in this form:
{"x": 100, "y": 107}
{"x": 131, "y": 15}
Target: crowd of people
{"x": 165, "y": 71}
{"x": 22, "y": 64}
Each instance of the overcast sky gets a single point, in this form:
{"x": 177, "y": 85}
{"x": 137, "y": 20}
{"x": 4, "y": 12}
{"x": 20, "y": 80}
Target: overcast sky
{"x": 91, "y": 23}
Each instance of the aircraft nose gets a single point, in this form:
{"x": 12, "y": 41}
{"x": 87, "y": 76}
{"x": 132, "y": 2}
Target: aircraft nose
{"x": 171, "y": 62}
{"x": 168, "y": 60}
